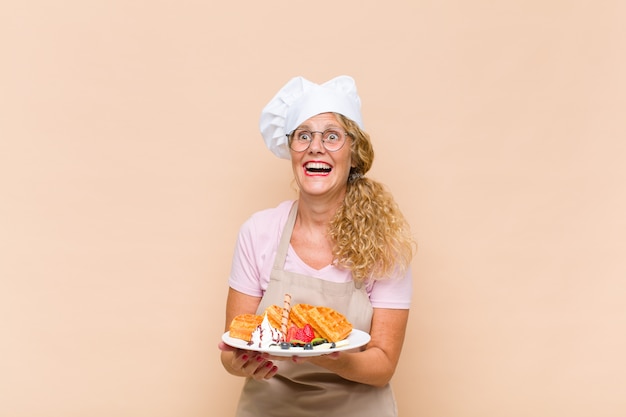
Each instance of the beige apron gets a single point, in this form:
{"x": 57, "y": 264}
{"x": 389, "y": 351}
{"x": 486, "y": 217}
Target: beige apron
{"x": 300, "y": 390}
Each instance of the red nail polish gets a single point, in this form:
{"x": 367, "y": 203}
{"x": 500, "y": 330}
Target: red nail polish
{"x": 268, "y": 364}
{"x": 244, "y": 357}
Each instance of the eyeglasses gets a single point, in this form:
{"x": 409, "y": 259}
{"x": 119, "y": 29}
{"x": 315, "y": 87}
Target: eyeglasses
{"x": 332, "y": 139}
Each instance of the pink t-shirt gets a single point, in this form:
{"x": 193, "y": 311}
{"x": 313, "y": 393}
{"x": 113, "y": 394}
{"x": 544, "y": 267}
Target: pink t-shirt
{"x": 256, "y": 249}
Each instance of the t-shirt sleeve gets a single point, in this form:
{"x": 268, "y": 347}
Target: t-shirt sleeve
{"x": 255, "y": 250}
{"x": 245, "y": 273}
{"x": 395, "y": 293}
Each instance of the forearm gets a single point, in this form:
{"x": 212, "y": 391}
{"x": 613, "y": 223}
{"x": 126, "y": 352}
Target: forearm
{"x": 371, "y": 366}
{"x": 227, "y": 363}
{"x": 377, "y": 363}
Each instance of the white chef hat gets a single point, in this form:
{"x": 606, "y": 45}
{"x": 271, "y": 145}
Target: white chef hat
{"x": 301, "y": 99}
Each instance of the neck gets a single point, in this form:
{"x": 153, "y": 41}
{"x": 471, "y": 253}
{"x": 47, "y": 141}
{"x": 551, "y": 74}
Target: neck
{"x": 316, "y": 211}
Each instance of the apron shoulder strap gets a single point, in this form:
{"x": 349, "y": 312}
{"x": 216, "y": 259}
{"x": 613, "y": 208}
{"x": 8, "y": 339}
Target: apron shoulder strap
{"x": 285, "y": 238}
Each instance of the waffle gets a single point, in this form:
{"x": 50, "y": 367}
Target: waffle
{"x": 329, "y": 323}
{"x": 243, "y": 325}
{"x": 299, "y": 314}
{"x": 274, "y": 315}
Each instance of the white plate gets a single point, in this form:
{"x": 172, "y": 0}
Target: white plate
{"x": 356, "y": 339}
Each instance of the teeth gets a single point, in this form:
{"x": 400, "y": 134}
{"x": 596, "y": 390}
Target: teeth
{"x": 317, "y": 166}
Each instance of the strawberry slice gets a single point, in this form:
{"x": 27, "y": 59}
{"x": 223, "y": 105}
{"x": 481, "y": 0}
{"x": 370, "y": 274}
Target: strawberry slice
{"x": 305, "y": 334}
{"x": 308, "y": 331}
{"x": 291, "y": 333}
{"x": 300, "y": 336}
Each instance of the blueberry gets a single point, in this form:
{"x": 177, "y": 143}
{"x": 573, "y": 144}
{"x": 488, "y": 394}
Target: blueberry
{"x": 285, "y": 345}
{"x": 308, "y": 346}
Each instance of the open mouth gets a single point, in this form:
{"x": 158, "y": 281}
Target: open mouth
{"x": 318, "y": 168}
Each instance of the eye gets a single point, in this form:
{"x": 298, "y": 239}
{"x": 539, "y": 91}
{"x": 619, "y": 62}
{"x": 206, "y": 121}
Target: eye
{"x": 332, "y": 136}
{"x": 304, "y": 136}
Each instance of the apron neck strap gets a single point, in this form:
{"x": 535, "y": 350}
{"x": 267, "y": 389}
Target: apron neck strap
{"x": 285, "y": 238}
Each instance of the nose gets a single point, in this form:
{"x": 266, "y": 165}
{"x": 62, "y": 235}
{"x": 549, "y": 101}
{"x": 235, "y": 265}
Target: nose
{"x": 316, "y": 146}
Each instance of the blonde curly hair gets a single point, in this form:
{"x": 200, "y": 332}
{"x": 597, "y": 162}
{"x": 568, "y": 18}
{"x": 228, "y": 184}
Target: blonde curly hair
{"x": 371, "y": 236}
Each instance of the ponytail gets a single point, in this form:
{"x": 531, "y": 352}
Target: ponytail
{"x": 370, "y": 234}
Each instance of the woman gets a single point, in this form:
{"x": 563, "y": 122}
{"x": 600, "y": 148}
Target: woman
{"x": 342, "y": 244}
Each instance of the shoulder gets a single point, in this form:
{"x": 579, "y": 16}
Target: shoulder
{"x": 395, "y": 292}
{"x": 267, "y": 221}
{"x": 274, "y": 213}
{"x": 255, "y": 250}
{"x": 258, "y": 238}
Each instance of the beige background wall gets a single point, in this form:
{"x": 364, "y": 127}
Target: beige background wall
{"x": 130, "y": 155}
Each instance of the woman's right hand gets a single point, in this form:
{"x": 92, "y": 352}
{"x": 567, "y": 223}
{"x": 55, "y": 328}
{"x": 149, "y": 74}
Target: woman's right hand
{"x": 247, "y": 363}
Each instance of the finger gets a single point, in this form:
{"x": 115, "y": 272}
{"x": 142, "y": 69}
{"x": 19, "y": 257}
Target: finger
{"x": 266, "y": 370}
{"x": 241, "y": 360}
{"x": 271, "y": 370}
{"x": 274, "y": 358}
{"x": 299, "y": 359}
{"x": 225, "y": 348}
{"x": 250, "y": 363}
